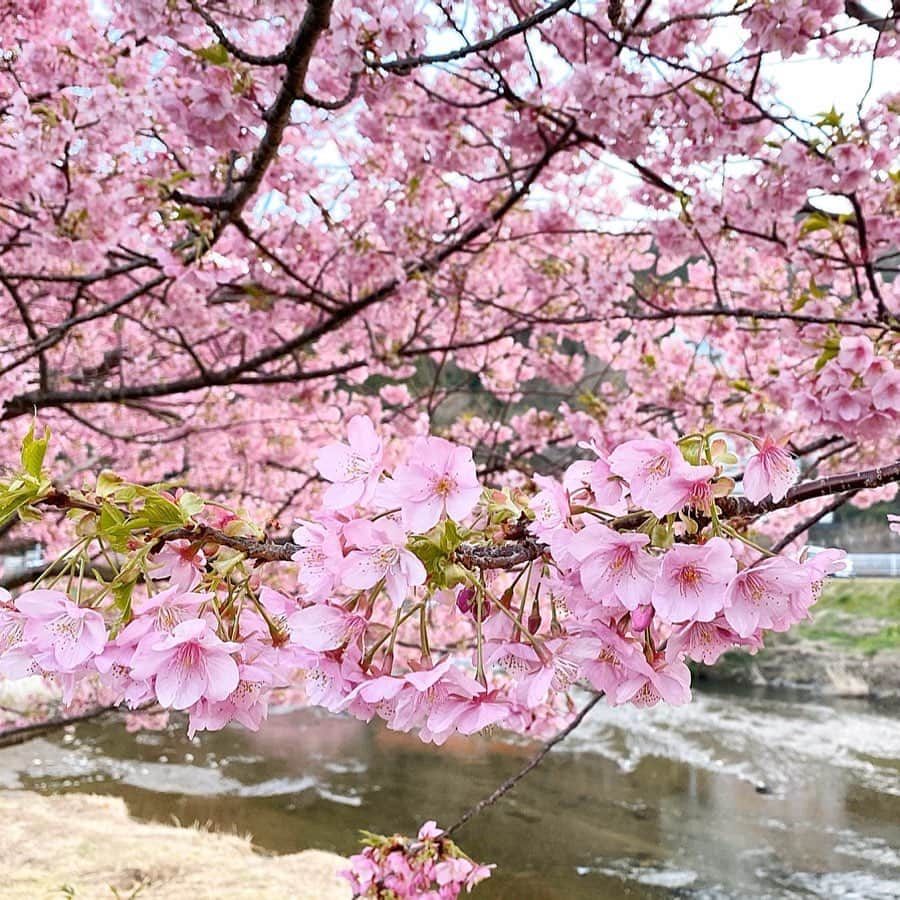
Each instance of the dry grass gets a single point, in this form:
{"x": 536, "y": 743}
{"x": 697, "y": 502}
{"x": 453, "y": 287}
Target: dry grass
{"x": 88, "y": 848}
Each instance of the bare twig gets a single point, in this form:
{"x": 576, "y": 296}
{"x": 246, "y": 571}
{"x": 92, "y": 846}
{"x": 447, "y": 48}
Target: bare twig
{"x": 533, "y": 763}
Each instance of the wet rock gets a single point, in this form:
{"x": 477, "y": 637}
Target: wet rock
{"x": 812, "y": 665}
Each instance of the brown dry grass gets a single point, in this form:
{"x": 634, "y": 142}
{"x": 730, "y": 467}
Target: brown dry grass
{"x": 88, "y": 848}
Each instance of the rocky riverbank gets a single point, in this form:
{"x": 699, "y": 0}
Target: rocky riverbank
{"x": 851, "y": 647}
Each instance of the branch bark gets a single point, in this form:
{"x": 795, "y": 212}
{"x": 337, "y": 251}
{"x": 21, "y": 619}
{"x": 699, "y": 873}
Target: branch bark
{"x": 523, "y": 549}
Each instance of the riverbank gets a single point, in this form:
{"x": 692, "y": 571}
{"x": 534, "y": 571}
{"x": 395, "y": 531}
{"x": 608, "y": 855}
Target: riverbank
{"x": 87, "y": 847}
{"x": 851, "y": 648}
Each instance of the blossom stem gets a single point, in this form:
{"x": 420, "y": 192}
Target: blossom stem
{"x": 370, "y": 653}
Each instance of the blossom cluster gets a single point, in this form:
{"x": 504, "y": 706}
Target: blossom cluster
{"x": 407, "y": 609}
{"x": 431, "y": 867}
{"x": 856, "y": 392}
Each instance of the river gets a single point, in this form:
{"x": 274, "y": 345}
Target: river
{"x": 738, "y": 795}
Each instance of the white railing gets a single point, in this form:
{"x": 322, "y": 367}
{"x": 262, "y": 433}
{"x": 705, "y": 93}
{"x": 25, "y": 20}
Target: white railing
{"x": 884, "y": 564}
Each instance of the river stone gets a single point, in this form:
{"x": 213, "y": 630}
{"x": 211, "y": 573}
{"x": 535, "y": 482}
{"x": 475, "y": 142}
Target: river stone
{"x": 89, "y": 848}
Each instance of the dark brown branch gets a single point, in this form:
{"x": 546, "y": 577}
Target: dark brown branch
{"x": 408, "y": 63}
{"x": 21, "y": 733}
{"x": 297, "y": 56}
{"x": 734, "y": 507}
{"x": 352, "y": 91}
{"x": 797, "y": 530}
{"x": 871, "y": 278}
{"x": 251, "y": 59}
{"x": 524, "y": 548}
{"x": 24, "y": 404}
{"x": 498, "y": 556}
{"x": 865, "y": 16}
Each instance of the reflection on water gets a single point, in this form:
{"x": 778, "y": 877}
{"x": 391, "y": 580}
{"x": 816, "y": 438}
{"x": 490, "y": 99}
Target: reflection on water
{"x": 750, "y": 796}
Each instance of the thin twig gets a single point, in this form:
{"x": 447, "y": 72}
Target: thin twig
{"x": 21, "y": 733}
{"x": 806, "y": 524}
{"x": 533, "y": 763}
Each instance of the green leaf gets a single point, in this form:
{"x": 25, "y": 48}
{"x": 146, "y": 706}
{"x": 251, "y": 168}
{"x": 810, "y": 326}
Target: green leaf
{"x": 107, "y": 483}
{"x": 448, "y": 537}
{"x": 113, "y": 527}
{"x": 830, "y": 351}
{"x": 831, "y": 119}
{"x": 33, "y": 451}
{"x": 691, "y": 447}
{"x": 215, "y": 54}
{"x": 122, "y": 597}
{"x": 190, "y": 504}
{"x": 814, "y": 222}
{"x": 158, "y": 512}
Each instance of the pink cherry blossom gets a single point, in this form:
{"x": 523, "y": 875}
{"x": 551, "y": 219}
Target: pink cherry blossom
{"x": 68, "y": 634}
{"x": 608, "y": 491}
{"x": 353, "y": 468}
{"x": 770, "y": 471}
{"x": 247, "y": 703}
{"x": 692, "y": 581}
{"x": 614, "y": 565}
{"x": 706, "y": 641}
{"x": 438, "y": 479}
{"x": 550, "y": 505}
{"x": 886, "y": 392}
{"x": 12, "y": 623}
{"x": 759, "y": 596}
{"x": 645, "y": 465}
{"x": 381, "y": 554}
{"x": 182, "y": 562}
{"x": 321, "y": 627}
{"x": 187, "y": 664}
{"x": 165, "y": 610}
{"x": 686, "y": 486}
{"x": 664, "y": 681}
{"x": 894, "y": 523}
{"x": 856, "y": 353}
{"x": 319, "y": 560}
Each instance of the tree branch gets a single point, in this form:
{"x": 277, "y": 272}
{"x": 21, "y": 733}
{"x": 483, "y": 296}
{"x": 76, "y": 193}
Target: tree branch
{"x": 533, "y": 763}
{"x": 523, "y": 548}
{"x": 408, "y": 63}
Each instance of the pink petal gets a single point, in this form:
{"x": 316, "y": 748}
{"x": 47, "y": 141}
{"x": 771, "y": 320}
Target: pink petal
{"x": 180, "y": 686}
{"x": 222, "y": 675}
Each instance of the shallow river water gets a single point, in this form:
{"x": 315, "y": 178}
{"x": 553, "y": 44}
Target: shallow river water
{"x": 738, "y": 795}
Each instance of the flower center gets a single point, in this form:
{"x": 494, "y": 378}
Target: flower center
{"x": 657, "y": 468}
{"x": 622, "y": 560}
{"x": 188, "y": 656}
{"x": 358, "y": 466}
{"x": 754, "y": 589}
{"x": 690, "y": 578}
{"x": 387, "y": 556}
{"x": 700, "y": 496}
{"x": 444, "y": 486}
{"x": 67, "y": 629}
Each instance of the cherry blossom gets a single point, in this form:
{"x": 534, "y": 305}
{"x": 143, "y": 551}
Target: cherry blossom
{"x": 381, "y": 554}
{"x": 354, "y": 467}
{"x": 692, "y": 580}
{"x": 439, "y": 479}
{"x": 63, "y": 634}
{"x": 770, "y": 471}
{"x": 188, "y": 664}
{"x": 613, "y": 565}
{"x": 759, "y": 596}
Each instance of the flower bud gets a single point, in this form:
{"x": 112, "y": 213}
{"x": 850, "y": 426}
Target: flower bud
{"x": 641, "y": 618}
{"x": 464, "y": 600}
